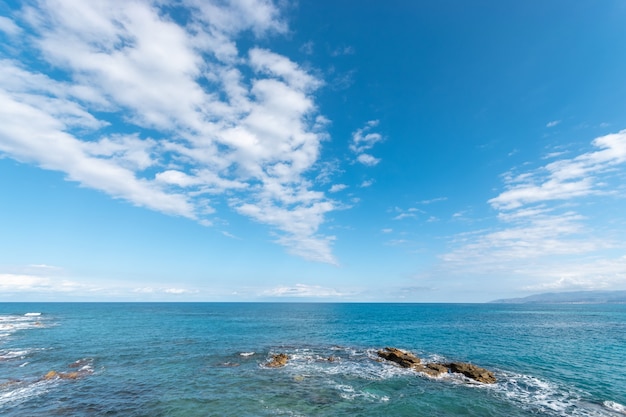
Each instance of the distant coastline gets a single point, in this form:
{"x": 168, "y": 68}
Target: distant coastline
{"x": 570, "y": 297}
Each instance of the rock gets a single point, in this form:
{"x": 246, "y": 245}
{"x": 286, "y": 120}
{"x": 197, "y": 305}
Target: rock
{"x": 277, "y": 361}
{"x": 402, "y": 358}
{"x": 434, "y": 369}
{"x": 472, "y": 371}
{"x": 51, "y": 375}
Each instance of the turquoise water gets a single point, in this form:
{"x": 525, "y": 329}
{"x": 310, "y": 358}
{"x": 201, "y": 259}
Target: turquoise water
{"x": 206, "y": 359}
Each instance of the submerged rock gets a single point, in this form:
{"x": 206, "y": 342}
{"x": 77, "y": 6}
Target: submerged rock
{"x": 51, "y": 375}
{"x": 402, "y": 358}
{"x": 62, "y": 375}
{"x": 277, "y": 361}
{"x": 472, "y": 371}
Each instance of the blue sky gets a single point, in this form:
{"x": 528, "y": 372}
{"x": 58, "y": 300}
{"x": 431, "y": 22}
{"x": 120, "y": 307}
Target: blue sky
{"x": 250, "y": 150}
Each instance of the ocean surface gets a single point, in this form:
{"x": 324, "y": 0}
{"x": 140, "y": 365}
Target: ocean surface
{"x": 207, "y": 359}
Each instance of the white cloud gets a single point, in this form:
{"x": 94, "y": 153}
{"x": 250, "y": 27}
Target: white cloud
{"x": 179, "y": 291}
{"x": 565, "y": 179}
{"x": 302, "y": 290}
{"x": 542, "y": 239}
{"x": 241, "y": 125}
{"x": 21, "y": 283}
{"x": 553, "y": 123}
{"x": 367, "y": 159}
{"x": 337, "y": 187}
{"x": 433, "y": 200}
{"x": 363, "y": 140}
{"x": 8, "y": 26}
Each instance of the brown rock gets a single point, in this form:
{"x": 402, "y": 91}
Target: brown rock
{"x": 277, "y": 361}
{"x": 472, "y": 371}
{"x": 435, "y": 369}
{"x": 51, "y": 375}
{"x": 402, "y": 358}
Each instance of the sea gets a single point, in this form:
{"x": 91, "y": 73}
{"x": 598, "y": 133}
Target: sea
{"x": 209, "y": 359}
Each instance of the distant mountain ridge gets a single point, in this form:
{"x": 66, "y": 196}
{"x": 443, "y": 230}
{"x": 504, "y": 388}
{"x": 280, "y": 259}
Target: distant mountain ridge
{"x": 569, "y": 297}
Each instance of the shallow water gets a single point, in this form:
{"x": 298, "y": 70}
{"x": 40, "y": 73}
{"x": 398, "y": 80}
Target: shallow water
{"x": 207, "y": 359}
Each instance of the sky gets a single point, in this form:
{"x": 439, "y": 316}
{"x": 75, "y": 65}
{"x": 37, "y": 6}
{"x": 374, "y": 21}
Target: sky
{"x": 311, "y": 150}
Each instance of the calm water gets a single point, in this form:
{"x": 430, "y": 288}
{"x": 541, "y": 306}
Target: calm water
{"x": 207, "y": 359}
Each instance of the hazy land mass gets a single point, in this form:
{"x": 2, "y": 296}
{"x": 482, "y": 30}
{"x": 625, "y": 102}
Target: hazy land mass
{"x": 582, "y": 297}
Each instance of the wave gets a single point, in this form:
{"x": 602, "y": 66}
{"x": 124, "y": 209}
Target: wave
{"x": 536, "y": 395}
{"x": 18, "y": 392}
{"x": 11, "y": 323}
{"x": 612, "y": 405}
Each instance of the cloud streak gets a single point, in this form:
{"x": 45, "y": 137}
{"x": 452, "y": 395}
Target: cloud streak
{"x": 542, "y": 233}
{"x": 566, "y": 178}
{"x": 170, "y": 114}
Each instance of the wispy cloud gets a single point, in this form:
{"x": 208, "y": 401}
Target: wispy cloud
{"x": 553, "y": 123}
{"x": 411, "y": 212}
{"x": 542, "y": 233}
{"x": 363, "y": 140}
{"x": 170, "y": 115}
{"x": 566, "y": 178}
{"x": 20, "y": 283}
{"x": 302, "y": 290}
{"x": 337, "y": 187}
{"x": 343, "y": 50}
{"x": 9, "y": 27}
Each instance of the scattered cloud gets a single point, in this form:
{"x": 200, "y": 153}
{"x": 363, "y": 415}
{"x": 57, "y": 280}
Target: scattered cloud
{"x": 542, "y": 234}
{"x": 411, "y": 212}
{"x": 367, "y": 159}
{"x": 20, "y": 283}
{"x": 367, "y": 183}
{"x": 566, "y": 178}
{"x": 307, "y": 48}
{"x": 387, "y": 230}
{"x": 433, "y": 200}
{"x": 343, "y": 50}
{"x": 302, "y": 290}
{"x": 337, "y": 187}
{"x": 230, "y": 235}
{"x": 240, "y": 125}
{"x": 553, "y": 123}
{"x": 179, "y": 291}
{"x": 8, "y": 26}
{"x": 363, "y": 140}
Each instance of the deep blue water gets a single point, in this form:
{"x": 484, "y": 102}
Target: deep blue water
{"x": 206, "y": 359}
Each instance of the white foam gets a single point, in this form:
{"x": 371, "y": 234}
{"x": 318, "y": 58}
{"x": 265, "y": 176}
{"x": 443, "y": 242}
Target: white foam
{"x": 32, "y": 314}
{"x": 612, "y": 405}
{"x": 21, "y": 392}
{"x": 348, "y": 392}
{"x": 246, "y": 354}
{"x": 12, "y": 354}
{"x": 546, "y": 397}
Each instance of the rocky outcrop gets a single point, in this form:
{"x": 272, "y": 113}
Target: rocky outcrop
{"x": 408, "y": 360}
{"x": 277, "y": 361}
{"x": 402, "y": 358}
{"x": 434, "y": 369}
{"x": 62, "y": 375}
{"x": 472, "y": 371}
